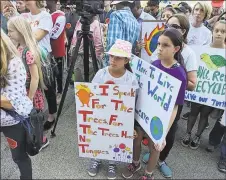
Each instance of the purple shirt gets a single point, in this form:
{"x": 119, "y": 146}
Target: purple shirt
{"x": 178, "y": 72}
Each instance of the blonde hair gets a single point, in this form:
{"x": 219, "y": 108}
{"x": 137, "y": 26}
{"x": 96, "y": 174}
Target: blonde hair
{"x": 40, "y": 4}
{"x": 206, "y": 8}
{"x": 24, "y": 28}
{"x": 8, "y": 52}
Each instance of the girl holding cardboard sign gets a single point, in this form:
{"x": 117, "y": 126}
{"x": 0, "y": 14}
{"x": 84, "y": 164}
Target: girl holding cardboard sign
{"x": 169, "y": 48}
{"x": 219, "y": 35}
{"x": 119, "y": 72}
{"x": 181, "y": 23}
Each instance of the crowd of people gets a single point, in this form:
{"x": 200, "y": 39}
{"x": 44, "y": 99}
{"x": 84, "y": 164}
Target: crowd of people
{"x": 35, "y": 32}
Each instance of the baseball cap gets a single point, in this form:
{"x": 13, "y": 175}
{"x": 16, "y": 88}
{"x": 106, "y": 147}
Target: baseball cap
{"x": 217, "y": 3}
{"x": 116, "y": 2}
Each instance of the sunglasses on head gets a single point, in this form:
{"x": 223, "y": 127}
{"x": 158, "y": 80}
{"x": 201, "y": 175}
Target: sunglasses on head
{"x": 175, "y": 26}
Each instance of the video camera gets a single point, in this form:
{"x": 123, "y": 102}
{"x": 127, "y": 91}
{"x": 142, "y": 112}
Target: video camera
{"x": 93, "y": 7}
{"x": 90, "y": 6}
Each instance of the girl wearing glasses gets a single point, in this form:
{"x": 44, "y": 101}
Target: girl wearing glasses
{"x": 181, "y": 24}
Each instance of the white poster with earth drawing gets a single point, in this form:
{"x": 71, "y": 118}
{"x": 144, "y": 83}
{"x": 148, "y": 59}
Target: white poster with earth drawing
{"x": 156, "y": 98}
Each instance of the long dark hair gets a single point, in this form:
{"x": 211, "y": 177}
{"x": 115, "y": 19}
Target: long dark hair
{"x": 128, "y": 67}
{"x": 184, "y": 24}
{"x": 177, "y": 39}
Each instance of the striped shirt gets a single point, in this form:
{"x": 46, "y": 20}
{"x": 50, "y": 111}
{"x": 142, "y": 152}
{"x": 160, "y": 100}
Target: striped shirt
{"x": 123, "y": 25}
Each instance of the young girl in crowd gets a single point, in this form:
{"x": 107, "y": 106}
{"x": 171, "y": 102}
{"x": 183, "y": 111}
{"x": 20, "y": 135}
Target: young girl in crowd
{"x": 181, "y": 23}
{"x": 14, "y": 97}
{"x": 119, "y": 72}
{"x": 41, "y": 24}
{"x": 219, "y": 35}
{"x": 21, "y": 7}
{"x": 217, "y": 132}
{"x": 167, "y": 13}
{"x": 19, "y": 30}
{"x": 169, "y": 48}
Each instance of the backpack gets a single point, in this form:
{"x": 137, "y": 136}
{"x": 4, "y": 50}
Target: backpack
{"x": 33, "y": 126}
{"x": 46, "y": 68}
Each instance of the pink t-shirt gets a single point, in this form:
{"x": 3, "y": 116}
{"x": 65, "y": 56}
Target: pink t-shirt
{"x": 97, "y": 37}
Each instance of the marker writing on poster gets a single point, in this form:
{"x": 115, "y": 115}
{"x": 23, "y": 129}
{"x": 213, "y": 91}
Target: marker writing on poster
{"x": 131, "y": 93}
{"x": 162, "y": 99}
{"x": 210, "y": 83}
{"x": 97, "y": 105}
{"x": 119, "y": 105}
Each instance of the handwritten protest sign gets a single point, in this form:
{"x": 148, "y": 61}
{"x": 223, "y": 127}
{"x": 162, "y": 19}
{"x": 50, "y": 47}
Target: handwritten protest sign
{"x": 151, "y": 31}
{"x": 211, "y": 85}
{"x": 105, "y": 121}
{"x": 156, "y": 98}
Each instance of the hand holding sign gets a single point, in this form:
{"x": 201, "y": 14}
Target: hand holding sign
{"x": 160, "y": 146}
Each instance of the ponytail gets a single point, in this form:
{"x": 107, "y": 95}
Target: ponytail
{"x": 128, "y": 67}
{"x": 178, "y": 56}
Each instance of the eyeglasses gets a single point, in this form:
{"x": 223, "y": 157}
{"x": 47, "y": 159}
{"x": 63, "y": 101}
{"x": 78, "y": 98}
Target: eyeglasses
{"x": 223, "y": 19}
{"x": 175, "y": 26}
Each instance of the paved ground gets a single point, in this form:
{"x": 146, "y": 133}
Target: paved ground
{"x": 60, "y": 160}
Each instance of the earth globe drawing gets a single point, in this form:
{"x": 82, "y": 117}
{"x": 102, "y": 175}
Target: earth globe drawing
{"x": 156, "y": 128}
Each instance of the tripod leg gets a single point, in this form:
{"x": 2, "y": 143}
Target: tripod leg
{"x": 93, "y": 54}
{"x": 75, "y": 54}
{"x": 86, "y": 57}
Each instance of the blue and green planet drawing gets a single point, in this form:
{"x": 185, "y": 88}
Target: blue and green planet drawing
{"x": 156, "y": 128}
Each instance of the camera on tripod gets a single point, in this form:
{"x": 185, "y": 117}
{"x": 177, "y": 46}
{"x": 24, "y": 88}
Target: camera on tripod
{"x": 90, "y": 6}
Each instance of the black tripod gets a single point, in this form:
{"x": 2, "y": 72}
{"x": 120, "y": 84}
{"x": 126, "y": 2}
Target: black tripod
{"x": 86, "y": 35}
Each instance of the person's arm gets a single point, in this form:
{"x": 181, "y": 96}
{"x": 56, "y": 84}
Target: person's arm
{"x": 192, "y": 80}
{"x": 191, "y": 68}
{"x": 98, "y": 39}
{"x": 40, "y": 34}
{"x": 44, "y": 27}
{"x": 58, "y": 27}
{"x": 34, "y": 80}
{"x": 114, "y": 30}
{"x": 74, "y": 38}
{"x": 5, "y": 103}
{"x": 172, "y": 118}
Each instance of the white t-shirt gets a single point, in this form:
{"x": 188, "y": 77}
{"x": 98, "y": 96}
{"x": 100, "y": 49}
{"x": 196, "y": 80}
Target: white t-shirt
{"x": 104, "y": 77}
{"x": 190, "y": 59}
{"x": 199, "y": 36}
{"x": 43, "y": 21}
{"x": 15, "y": 92}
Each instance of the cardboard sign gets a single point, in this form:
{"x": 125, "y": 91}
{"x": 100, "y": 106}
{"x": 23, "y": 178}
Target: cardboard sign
{"x": 211, "y": 83}
{"x": 151, "y": 31}
{"x": 156, "y": 98}
{"x": 105, "y": 121}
